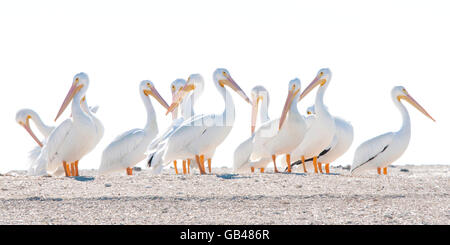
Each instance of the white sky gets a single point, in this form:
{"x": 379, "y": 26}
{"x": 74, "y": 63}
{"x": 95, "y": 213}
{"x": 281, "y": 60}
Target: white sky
{"x": 369, "y": 46}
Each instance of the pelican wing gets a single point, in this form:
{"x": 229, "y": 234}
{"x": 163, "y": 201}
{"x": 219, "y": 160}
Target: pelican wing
{"x": 267, "y": 131}
{"x": 370, "y": 149}
{"x": 190, "y": 131}
{"x": 263, "y": 136}
{"x": 55, "y": 140}
{"x": 175, "y": 124}
{"x": 33, "y": 155}
{"x": 117, "y": 150}
{"x": 177, "y": 143}
{"x": 242, "y": 153}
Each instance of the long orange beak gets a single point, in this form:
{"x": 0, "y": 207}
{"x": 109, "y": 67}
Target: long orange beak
{"x": 414, "y": 103}
{"x": 155, "y": 94}
{"x": 179, "y": 96}
{"x": 27, "y": 127}
{"x": 233, "y": 85}
{"x": 287, "y": 106}
{"x": 254, "y": 112}
{"x": 72, "y": 91}
{"x": 317, "y": 81}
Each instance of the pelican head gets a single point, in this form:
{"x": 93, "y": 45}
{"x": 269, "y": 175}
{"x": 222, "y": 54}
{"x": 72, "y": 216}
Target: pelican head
{"x": 80, "y": 83}
{"x": 399, "y": 93}
{"x": 194, "y": 81}
{"x": 23, "y": 119}
{"x": 259, "y": 93}
{"x": 175, "y": 87}
{"x": 311, "y": 110}
{"x": 222, "y": 77}
{"x": 322, "y": 78}
{"x": 294, "y": 89}
{"x": 147, "y": 88}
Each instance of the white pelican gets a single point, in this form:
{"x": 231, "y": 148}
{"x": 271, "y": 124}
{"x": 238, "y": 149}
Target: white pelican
{"x": 180, "y": 101}
{"x": 342, "y": 141}
{"x": 281, "y": 136}
{"x": 73, "y": 138}
{"x": 23, "y": 117}
{"x": 321, "y": 131}
{"x": 203, "y": 133}
{"x": 244, "y": 150}
{"x": 175, "y": 86}
{"x": 129, "y": 148}
{"x": 381, "y": 151}
{"x": 196, "y": 84}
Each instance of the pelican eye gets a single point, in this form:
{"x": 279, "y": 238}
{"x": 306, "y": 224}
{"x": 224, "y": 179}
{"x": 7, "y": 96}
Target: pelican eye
{"x": 224, "y": 73}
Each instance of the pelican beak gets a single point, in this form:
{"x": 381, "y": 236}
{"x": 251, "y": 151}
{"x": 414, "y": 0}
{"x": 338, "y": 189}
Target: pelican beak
{"x": 317, "y": 81}
{"x": 287, "y": 105}
{"x": 233, "y": 85}
{"x": 255, "y": 112}
{"x": 27, "y": 127}
{"x": 72, "y": 92}
{"x": 155, "y": 94}
{"x": 414, "y": 103}
{"x": 179, "y": 96}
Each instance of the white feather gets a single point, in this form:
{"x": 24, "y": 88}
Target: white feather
{"x": 123, "y": 151}
{"x": 370, "y": 149}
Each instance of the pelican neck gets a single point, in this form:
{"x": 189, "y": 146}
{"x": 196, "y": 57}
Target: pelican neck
{"x": 264, "y": 114}
{"x": 78, "y": 112}
{"x": 151, "y": 119}
{"x": 406, "y": 121}
{"x": 41, "y": 126}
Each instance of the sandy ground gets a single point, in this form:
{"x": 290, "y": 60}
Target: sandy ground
{"x": 408, "y": 195}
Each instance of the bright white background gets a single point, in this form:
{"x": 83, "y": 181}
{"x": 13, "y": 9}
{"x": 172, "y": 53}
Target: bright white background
{"x": 369, "y": 46}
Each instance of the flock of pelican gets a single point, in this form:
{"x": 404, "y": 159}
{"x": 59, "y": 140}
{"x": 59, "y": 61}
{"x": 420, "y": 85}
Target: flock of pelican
{"x": 312, "y": 141}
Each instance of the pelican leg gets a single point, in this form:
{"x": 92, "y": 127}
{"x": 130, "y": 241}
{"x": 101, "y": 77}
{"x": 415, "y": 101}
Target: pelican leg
{"x": 379, "y": 170}
{"x": 288, "y": 162}
{"x": 66, "y": 169}
{"x": 253, "y": 169}
{"x": 198, "y": 159}
{"x": 202, "y": 159}
{"x": 189, "y": 166}
{"x": 76, "y": 168}
{"x": 184, "y": 166}
{"x": 385, "y": 171}
{"x": 129, "y": 171}
{"x": 274, "y": 163}
{"x": 327, "y": 168}
{"x": 209, "y": 165}
{"x": 320, "y": 167}
{"x": 304, "y": 165}
{"x": 175, "y": 166}
{"x": 72, "y": 169}
{"x": 315, "y": 164}
{"x": 262, "y": 170}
